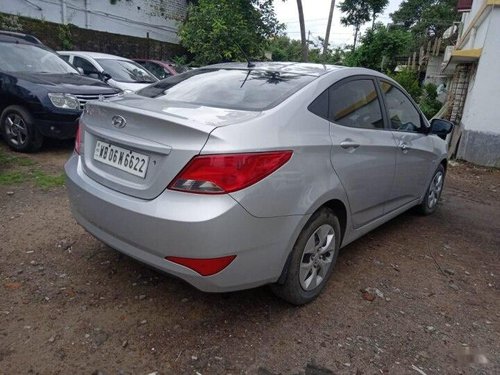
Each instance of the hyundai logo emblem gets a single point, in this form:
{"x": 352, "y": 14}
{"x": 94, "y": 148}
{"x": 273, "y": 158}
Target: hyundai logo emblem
{"x": 118, "y": 122}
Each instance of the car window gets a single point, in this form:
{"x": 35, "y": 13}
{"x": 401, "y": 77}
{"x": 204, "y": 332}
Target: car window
{"x": 65, "y": 58}
{"x": 158, "y": 70}
{"x": 88, "y": 69}
{"x": 320, "y": 105}
{"x": 126, "y": 71}
{"x": 403, "y": 115}
{"x": 17, "y": 57}
{"x": 356, "y": 104}
{"x": 245, "y": 89}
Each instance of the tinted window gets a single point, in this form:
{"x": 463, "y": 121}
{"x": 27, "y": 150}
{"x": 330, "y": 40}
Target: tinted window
{"x": 402, "y": 114}
{"x": 356, "y": 104}
{"x": 65, "y": 58}
{"x": 158, "y": 70}
{"x": 126, "y": 71}
{"x": 16, "y": 57}
{"x": 229, "y": 88}
{"x": 88, "y": 69}
{"x": 320, "y": 105}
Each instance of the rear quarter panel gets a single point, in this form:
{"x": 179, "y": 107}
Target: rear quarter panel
{"x": 307, "y": 180}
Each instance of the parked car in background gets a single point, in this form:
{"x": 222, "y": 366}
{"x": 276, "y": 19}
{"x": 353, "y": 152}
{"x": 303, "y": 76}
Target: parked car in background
{"x": 232, "y": 177}
{"x": 161, "y": 69}
{"x": 116, "y": 71}
{"x": 41, "y": 95}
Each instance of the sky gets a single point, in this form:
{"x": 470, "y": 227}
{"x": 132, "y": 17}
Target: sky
{"x": 316, "y": 18}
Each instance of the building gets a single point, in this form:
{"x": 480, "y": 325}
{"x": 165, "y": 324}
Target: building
{"x": 158, "y": 18}
{"x": 473, "y": 69}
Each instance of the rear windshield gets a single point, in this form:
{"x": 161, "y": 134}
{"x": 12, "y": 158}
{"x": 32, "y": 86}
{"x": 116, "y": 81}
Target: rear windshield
{"x": 251, "y": 90}
{"x": 126, "y": 71}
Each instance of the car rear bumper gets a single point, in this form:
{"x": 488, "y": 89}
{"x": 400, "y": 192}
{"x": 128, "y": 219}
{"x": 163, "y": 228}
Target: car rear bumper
{"x": 185, "y": 225}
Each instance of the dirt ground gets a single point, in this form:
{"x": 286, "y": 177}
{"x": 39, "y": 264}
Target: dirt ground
{"x": 71, "y": 305}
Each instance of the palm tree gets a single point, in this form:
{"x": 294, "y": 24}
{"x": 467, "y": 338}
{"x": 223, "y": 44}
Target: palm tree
{"x": 302, "y": 31}
{"x": 328, "y": 28}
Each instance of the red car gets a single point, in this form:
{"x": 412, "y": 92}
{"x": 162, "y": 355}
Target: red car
{"x": 161, "y": 69}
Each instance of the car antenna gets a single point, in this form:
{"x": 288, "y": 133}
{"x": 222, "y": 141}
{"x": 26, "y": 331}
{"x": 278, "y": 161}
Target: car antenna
{"x": 249, "y": 63}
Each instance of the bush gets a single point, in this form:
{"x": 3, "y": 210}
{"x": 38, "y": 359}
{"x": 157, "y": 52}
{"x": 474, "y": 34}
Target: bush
{"x": 409, "y": 80}
{"x": 428, "y": 102}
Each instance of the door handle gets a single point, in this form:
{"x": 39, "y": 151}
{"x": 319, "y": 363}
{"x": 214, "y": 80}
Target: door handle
{"x": 404, "y": 147}
{"x": 349, "y": 144}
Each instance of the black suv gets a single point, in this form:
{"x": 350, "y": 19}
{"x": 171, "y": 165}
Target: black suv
{"x": 41, "y": 95}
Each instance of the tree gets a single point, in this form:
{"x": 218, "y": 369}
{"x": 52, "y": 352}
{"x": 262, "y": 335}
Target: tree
{"x": 328, "y": 28}
{"x": 305, "y": 47}
{"x": 379, "y": 48}
{"x": 425, "y": 18}
{"x": 214, "y": 31}
{"x": 357, "y": 14}
{"x": 377, "y": 7}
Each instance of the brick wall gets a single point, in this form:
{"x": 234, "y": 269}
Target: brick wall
{"x": 52, "y": 35}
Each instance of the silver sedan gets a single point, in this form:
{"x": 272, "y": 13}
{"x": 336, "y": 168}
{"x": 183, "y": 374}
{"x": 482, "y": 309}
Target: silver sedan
{"x": 232, "y": 177}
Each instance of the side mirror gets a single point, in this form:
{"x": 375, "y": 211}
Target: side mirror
{"x": 105, "y": 76}
{"x": 80, "y": 70}
{"x": 441, "y": 127}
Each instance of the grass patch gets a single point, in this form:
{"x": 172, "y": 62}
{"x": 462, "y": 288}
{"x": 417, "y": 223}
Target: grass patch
{"x": 12, "y": 178}
{"x": 7, "y": 160}
{"x": 47, "y": 181}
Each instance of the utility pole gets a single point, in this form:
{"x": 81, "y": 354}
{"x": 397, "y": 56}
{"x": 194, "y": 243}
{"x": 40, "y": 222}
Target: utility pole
{"x": 328, "y": 29}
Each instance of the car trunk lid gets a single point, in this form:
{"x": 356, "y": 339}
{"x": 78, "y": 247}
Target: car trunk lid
{"x": 166, "y": 135}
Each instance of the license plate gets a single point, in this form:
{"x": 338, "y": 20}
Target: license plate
{"x": 126, "y": 160}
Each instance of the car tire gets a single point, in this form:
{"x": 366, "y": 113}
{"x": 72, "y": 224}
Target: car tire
{"x": 312, "y": 259}
{"x": 433, "y": 192}
{"x": 18, "y": 129}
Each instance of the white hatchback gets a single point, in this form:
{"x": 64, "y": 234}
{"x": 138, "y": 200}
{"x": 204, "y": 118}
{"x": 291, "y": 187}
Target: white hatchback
{"x": 119, "y": 72}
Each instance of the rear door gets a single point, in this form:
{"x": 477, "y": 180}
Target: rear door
{"x": 363, "y": 152}
{"x": 416, "y": 156}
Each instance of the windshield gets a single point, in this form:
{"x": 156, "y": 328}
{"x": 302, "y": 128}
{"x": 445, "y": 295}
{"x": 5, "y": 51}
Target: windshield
{"x": 33, "y": 59}
{"x": 243, "y": 89}
{"x": 126, "y": 71}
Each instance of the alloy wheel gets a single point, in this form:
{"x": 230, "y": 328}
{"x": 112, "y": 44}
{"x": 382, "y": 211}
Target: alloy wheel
{"x": 16, "y": 129}
{"x": 435, "y": 189}
{"x": 317, "y": 257}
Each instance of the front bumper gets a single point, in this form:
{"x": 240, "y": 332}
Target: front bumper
{"x": 185, "y": 225}
{"x": 56, "y": 125}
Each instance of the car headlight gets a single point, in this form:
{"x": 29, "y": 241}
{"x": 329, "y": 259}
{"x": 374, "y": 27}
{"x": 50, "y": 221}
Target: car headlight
{"x": 66, "y": 101}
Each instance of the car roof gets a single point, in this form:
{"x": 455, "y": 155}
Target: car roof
{"x": 94, "y": 55}
{"x": 18, "y": 37}
{"x": 284, "y": 67}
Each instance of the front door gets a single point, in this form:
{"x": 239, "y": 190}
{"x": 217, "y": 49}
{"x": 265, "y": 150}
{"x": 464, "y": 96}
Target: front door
{"x": 363, "y": 153}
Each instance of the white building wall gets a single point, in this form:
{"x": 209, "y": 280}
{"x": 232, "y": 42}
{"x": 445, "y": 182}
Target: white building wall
{"x": 159, "y": 18}
{"x": 481, "y": 114}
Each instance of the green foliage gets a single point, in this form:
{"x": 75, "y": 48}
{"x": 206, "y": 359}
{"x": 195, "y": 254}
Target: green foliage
{"x": 380, "y": 46}
{"x": 425, "y": 18}
{"x": 428, "y": 102}
{"x": 285, "y": 49}
{"x": 10, "y": 23}
{"x": 214, "y": 29}
{"x": 12, "y": 178}
{"x": 356, "y": 12}
{"x": 65, "y": 38}
{"x": 409, "y": 80}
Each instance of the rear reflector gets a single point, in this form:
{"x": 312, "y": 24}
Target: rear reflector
{"x": 226, "y": 173}
{"x": 205, "y": 267}
{"x": 78, "y": 139}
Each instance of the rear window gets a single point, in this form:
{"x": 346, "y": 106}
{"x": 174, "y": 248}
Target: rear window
{"x": 251, "y": 90}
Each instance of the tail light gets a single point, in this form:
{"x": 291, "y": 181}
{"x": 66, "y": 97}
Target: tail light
{"x": 205, "y": 267}
{"x": 78, "y": 140}
{"x": 226, "y": 173}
